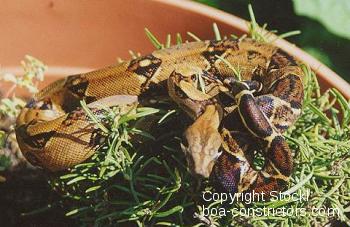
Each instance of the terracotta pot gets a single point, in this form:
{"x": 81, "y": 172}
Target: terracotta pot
{"x": 77, "y": 36}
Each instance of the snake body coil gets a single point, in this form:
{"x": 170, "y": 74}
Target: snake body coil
{"x": 55, "y": 133}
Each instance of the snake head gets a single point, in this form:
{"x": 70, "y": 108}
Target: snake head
{"x": 204, "y": 142}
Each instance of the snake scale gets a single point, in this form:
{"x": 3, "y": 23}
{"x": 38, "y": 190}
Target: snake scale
{"x": 232, "y": 119}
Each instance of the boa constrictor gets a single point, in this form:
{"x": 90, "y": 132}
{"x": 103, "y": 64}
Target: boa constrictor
{"x": 232, "y": 118}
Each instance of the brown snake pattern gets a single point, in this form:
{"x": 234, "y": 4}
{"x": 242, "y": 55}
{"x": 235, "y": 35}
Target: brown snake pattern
{"x": 55, "y": 133}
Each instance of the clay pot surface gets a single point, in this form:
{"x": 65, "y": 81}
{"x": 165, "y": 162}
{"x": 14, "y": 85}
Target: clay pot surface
{"x": 78, "y": 36}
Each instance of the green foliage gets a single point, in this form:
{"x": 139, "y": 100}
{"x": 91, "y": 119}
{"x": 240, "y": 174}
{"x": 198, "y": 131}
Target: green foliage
{"x": 11, "y": 106}
{"x": 5, "y": 162}
{"x": 334, "y": 15}
{"x": 2, "y": 139}
{"x": 33, "y": 72}
{"x": 260, "y": 33}
{"x": 120, "y": 183}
